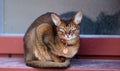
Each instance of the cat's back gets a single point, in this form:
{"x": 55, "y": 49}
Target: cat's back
{"x": 45, "y": 18}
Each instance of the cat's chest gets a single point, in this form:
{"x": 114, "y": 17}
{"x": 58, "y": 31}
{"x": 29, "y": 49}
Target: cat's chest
{"x": 72, "y": 41}
{"x": 67, "y": 43}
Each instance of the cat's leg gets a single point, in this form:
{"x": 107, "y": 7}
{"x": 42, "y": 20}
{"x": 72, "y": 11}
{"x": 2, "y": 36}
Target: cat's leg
{"x": 40, "y": 51}
{"x": 39, "y": 55}
{"x": 48, "y": 64}
{"x": 31, "y": 61}
{"x": 57, "y": 58}
{"x": 40, "y": 43}
{"x": 28, "y": 54}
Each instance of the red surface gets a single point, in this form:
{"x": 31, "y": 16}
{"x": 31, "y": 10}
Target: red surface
{"x": 98, "y": 57}
{"x": 100, "y": 46}
{"x": 89, "y": 46}
{"x": 11, "y": 45}
{"x": 17, "y": 64}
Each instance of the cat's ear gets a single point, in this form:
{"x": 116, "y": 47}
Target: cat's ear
{"x": 56, "y": 19}
{"x": 78, "y": 17}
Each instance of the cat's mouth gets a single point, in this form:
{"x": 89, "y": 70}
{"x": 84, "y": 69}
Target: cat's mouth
{"x": 68, "y": 45}
{"x": 69, "y": 37}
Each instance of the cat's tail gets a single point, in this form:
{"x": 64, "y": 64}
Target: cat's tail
{"x": 48, "y": 64}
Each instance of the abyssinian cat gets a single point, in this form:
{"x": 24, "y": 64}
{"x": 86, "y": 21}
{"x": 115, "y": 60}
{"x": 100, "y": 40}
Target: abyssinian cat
{"x": 50, "y": 42}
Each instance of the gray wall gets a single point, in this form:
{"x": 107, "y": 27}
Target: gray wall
{"x": 1, "y": 16}
{"x": 19, "y": 14}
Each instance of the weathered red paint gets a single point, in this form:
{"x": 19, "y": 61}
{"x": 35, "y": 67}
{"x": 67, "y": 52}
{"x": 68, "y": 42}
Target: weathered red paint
{"x": 100, "y": 46}
{"x": 18, "y": 64}
{"x": 88, "y": 46}
{"x": 11, "y": 45}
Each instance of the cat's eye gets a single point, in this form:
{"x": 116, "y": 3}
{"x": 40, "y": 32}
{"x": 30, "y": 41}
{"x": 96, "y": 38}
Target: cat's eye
{"x": 62, "y": 30}
{"x": 73, "y": 28}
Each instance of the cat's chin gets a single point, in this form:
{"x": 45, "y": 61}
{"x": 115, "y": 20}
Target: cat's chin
{"x": 70, "y": 38}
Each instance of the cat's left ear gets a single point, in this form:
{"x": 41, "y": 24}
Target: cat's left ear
{"x": 78, "y": 17}
{"x": 56, "y": 19}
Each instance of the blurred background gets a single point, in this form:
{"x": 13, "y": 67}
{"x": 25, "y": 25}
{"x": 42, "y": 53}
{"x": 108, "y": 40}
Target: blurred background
{"x": 101, "y": 17}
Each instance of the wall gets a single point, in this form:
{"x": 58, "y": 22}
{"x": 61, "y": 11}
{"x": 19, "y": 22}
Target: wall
{"x": 19, "y": 14}
{"x": 1, "y": 16}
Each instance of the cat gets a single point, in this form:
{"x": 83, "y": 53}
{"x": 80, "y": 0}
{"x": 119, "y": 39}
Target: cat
{"x": 50, "y": 42}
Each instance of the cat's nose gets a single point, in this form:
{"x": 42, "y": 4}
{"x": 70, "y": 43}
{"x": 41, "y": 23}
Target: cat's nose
{"x": 68, "y": 36}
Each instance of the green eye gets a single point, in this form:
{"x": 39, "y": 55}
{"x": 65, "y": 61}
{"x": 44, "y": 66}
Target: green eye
{"x": 73, "y": 28}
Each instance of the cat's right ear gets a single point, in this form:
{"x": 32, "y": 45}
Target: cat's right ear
{"x": 56, "y": 19}
{"x": 78, "y": 17}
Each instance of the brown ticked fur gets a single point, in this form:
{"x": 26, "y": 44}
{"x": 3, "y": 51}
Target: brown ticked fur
{"x": 50, "y": 41}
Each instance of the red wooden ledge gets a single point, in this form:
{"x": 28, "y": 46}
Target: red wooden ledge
{"x": 11, "y": 44}
{"x": 100, "y": 46}
{"x": 95, "y": 46}
{"x": 90, "y": 47}
{"x": 17, "y": 64}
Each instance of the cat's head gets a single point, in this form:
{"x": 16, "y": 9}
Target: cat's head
{"x": 68, "y": 29}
